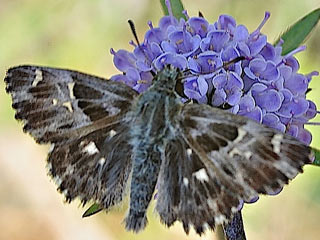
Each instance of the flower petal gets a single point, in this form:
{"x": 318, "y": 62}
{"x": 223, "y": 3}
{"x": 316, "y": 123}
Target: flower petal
{"x": 257, "y": 45}
{"x": 198, "y": 26}
{"x": 255, "y": 114}
{"x": 218, "y": 39}
{"x": 297, "y": 84}
{"x": 268, "y": 52}
{"x": 203, "y": 85}
{"x": 272, "y": 120}
{"x": 226, "y": 22}
{"x": 219, "y": 81}
{"x": 123, "y": 59}
{"x": 269, "y": 100}
{"x": 305, "y": 136}
{"x": 241, "y": 33}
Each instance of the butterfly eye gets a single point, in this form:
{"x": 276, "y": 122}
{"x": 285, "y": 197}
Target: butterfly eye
{"x": 179, "y": 88}
{"x": 225, "y": 106}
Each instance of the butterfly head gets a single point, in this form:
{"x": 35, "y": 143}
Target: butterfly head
{"x": 167, "y": 77}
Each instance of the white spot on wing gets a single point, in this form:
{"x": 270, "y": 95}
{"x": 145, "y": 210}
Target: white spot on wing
{"x": 185, "y": 181}
{"x": 189, "y": 152}
{"x": 205, "y": 226}
{"x": 101, "y": 161}
{"x": 236, "y": 151}
{"x": 70, "y": 87}
{"x": 247, "y": 154}
{"x": 57, "y": 180}
{"x": 219, "y": 219}
{"x": 69, "y": 170}
{"x": 38, "y": 78}
{"x": 51, "y": 148}
{"x": 234, "y": 209}
{"x": 65, "y": 192}
{"x": 68, "y": 106}
{"x": 212, "y": 204}
{"x": 54, "y": 102}
{"x": 49, "y": 166}
{"x": 112, "y": 133}
{"x": 241, "y": 134}
{"x": 276, "y": 142}
{"x": 201, "y": 175}
{"x": 91, "y": 148}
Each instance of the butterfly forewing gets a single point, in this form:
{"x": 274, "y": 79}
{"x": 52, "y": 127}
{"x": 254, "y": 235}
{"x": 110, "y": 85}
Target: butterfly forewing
{"x": 55, "y": 102}
{"x": 248, "y": 158}
{"x": 84, "y": 118}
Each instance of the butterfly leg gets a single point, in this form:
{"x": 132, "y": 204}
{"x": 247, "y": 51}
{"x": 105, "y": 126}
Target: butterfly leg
{"x": 144, "y": 178}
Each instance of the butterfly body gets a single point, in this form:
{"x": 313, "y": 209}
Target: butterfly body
{"x": 205, "y": 161}
{"x": 152, "y": 126}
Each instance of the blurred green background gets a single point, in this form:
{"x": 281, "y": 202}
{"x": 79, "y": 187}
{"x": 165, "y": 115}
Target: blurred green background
{"x": 78, "y": 34}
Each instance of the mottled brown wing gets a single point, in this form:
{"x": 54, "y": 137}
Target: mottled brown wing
{"x": 82, "y": 116}
{"x": 93, "y": 167}
{"x": 56, "y": 102}
{"x": 187, "y": 193}
{"x": 219, "y": 160}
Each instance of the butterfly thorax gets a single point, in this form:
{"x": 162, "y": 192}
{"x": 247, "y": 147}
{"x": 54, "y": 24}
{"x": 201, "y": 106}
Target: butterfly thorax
{"x": 154, "y": 113}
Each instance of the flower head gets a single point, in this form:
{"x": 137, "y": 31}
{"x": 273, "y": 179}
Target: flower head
{"x": 263, "y": 85}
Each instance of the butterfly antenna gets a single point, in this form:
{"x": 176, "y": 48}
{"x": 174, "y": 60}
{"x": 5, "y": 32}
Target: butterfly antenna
{"x": 233, "y": 61}
{"x": 200, "y": 14}
{"x": 134, "y": 32}
{"x": 225, "y": 65}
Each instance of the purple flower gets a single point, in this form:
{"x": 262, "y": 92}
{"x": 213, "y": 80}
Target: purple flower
{"x": 263, "y": 85}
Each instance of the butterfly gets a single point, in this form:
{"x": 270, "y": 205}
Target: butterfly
{"x": 105, "y": 138}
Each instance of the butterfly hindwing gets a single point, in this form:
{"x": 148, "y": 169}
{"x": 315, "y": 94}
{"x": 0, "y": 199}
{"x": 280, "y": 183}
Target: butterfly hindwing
{"x": 84, "y": 118}
{"x": 189, "y": 192}
{"x": 94, "y": 167}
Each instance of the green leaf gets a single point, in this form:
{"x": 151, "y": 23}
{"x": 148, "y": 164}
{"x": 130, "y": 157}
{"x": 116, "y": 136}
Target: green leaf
{"x": 316, "y": 157}
{"x": 176, "y": 6}
{"x": 298, "y": 32}
{"x": 93, "y": 209}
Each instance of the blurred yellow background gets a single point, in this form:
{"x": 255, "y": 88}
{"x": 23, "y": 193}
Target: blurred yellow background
{"x": 78, "y": 34}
